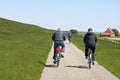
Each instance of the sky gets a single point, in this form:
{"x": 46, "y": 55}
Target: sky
{"x": 64, "y": 14}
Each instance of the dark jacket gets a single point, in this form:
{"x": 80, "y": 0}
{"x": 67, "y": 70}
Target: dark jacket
{"x": 58, "y": 35}
{"x": 90, "y": 39}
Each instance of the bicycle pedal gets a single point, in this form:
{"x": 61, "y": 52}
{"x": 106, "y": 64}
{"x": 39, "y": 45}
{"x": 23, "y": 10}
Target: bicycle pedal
{"x": 62, "y": 56}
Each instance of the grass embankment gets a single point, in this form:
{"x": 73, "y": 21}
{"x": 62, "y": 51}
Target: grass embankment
{"x": 23, "y": 50}
{"x": 107, "y": 53}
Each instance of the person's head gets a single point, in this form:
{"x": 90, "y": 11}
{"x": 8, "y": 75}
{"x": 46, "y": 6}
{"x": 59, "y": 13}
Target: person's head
{"x": 89, "y": 29}
{"x": 58, "y": 29}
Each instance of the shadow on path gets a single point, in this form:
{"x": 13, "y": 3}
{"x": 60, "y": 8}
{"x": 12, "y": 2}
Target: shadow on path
{"x": 47, "y": 65}
{"x": 81, "y": 66}
{"x": 70, "y": 66}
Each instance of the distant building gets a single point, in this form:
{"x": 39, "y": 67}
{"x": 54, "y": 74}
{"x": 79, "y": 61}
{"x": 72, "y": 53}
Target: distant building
{"x": 108, "y": 33}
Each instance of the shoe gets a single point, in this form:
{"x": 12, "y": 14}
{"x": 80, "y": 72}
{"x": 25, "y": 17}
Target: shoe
{"x": 86, "y": 57}
{"x": 62, "y": 55}
{"x": 93, "y": 63}
{"x": 54, "y": 62}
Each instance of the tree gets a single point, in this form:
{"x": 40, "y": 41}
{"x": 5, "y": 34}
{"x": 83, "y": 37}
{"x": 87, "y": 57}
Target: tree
{"x": 116, "y": 32}
{"x": 74, "y": 31}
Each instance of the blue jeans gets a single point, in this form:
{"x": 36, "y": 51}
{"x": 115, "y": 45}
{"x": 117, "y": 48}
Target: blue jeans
{"x": 56, "y": 44}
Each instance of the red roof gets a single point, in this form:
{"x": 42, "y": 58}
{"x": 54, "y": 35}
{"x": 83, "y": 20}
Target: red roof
{"x": 108, "y": 32}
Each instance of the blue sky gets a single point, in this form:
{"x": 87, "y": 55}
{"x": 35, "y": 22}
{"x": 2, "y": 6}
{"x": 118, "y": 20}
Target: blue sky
{"x": 64, "y": 14}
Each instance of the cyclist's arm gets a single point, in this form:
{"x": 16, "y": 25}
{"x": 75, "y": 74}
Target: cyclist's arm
{"x": 53, "y": 37}
{"x": 95, "y": 39}
{"x": 84, "y": 39}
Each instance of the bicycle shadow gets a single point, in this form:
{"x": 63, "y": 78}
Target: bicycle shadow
{"x": 50, "y": 65}
{"x": 81, "y": 66}
{"x": 47, "y": 65}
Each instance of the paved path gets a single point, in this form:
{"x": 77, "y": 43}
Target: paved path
{"x": 74, "y": 67}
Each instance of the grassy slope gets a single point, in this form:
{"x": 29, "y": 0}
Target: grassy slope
{"x": 107, "y": 54}
{"x": 23, "y": 50}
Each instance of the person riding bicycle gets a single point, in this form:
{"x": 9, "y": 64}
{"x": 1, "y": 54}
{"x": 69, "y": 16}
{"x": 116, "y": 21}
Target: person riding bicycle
{"x": 90, "y": 41}
{"x": 58, "y": 37}
{"x": 69, "y": 36}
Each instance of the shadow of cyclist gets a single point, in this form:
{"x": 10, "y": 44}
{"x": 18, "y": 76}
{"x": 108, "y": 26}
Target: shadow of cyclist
{"x": 47, "y": 65}
{"x": 81, "y": 66}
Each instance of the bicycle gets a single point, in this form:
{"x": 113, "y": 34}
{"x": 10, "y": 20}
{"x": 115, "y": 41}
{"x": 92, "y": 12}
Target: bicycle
{"x": 69, "y": 39}
{"x": 89, "y": 58}
{"x": 58, "y": 55}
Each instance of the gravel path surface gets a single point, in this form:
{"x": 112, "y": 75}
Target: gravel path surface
{"x": 74, "y": 66}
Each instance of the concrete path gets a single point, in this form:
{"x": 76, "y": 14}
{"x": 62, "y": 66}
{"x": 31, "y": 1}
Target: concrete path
{"x": 74, "y": 66}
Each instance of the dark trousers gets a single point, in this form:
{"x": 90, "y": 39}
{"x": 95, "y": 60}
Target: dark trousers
{"x": 93, "y": 52}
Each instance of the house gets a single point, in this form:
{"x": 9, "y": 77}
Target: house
{"x": 108, "y": 33}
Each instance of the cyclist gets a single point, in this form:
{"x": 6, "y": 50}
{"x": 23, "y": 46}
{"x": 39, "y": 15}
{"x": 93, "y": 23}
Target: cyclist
{"x": 69, "y": 36}
{"x": 90, "y": 40}
{"x": 58, "y": 37}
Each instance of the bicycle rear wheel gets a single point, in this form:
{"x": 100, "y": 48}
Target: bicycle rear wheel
{"x": 89, "y": 58}
{"x": 89, "y": 65}
{"x": 89, "y": 61}
{"x": 58, "y": 59}
{"x": 58, "y": 62}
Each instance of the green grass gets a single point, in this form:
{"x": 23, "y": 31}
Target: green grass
{"x": 23, "y": 50}
{"x": 107, "y": 54}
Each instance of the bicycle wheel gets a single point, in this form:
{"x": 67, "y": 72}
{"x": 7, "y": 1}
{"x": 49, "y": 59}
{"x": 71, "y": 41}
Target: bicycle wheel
{"x": 89, "y": 65}
{"x": 58, "y": 59}
{"x": 57, "y": 62}
{"x": 69, "y": 40}
{"x": 89, "y": 62}
{"x": 89, "y": 58}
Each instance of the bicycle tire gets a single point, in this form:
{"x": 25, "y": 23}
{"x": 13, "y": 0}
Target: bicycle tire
{"x": 89, "y": 65}
{"x": 58, "y": 62}
{"x": 58, "y": 59}
{"x": 89, "y": 58}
